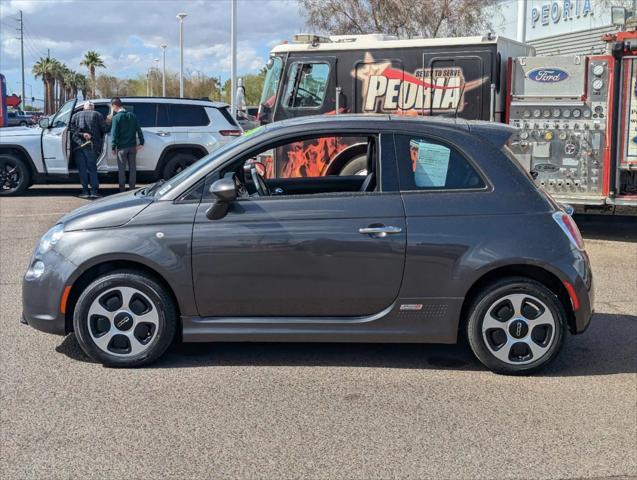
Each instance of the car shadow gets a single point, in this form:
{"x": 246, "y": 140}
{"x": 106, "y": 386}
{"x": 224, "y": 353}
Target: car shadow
{"x": 65, "y": 191}
{"x": 608, "y": 347}
{"x": 606, "y": 227}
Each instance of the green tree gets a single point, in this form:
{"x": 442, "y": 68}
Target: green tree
{"x": 403, "y": 18}
{"x": 92, "y": 60}
{"x": 45, "y": 69}
{"x": 80, "y": 84}
{"x": 70, "y": 89}
{"x": 253, "y": 85}
{"x": 61, "y": 75}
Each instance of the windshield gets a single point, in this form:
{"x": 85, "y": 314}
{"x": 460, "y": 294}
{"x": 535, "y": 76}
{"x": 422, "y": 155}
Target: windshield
{"x": 162, "y": 188}
{"x": 270, "y": 89}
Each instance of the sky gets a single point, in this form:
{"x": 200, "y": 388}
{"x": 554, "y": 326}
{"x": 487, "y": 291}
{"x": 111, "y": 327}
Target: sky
{"x": 128, "y": 33}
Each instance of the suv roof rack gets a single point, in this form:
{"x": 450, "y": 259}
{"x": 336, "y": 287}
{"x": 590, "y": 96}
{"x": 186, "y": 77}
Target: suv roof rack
{"x": 200, "y": 99}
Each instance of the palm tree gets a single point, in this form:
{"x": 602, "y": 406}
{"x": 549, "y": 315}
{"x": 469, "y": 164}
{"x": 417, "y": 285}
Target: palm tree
{"x": 60, "y": 77}
{"x": 80, "y": 84}
{"x": 45, "y": 69}
{"x": 69, "y": 83}
{"x": 92, "y": 60}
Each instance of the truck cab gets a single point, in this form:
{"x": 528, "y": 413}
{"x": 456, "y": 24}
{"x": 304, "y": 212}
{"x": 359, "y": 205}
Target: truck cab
{"x": 459, "y": 77}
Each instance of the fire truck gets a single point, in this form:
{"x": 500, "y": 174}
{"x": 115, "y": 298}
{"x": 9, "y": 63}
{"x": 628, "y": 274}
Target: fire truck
{"x": 577, "y": 120}
{"x": 462, "y": 77}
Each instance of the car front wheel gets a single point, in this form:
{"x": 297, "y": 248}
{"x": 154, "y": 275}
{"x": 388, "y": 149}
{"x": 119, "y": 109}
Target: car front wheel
{"x": 516, "y": 326}
{"x": 125, "y": 319}
{"x": 14, "y": 175}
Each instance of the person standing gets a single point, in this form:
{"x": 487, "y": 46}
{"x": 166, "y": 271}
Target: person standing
{"x": 87, "y": 136}
{"x": 125, "y": 131}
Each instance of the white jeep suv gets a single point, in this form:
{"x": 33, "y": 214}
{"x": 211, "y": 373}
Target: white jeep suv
{"x": 177, "y": 132}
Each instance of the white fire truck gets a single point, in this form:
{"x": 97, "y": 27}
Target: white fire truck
{"x": 577, "y": 115}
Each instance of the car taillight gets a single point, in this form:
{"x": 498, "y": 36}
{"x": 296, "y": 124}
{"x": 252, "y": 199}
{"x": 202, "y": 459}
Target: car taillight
{"x": 569, "y": 227}
{"x": 230, "y": 133}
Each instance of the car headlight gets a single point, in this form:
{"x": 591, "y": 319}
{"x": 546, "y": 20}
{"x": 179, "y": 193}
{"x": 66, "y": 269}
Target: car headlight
{"x": 50, "y": 238}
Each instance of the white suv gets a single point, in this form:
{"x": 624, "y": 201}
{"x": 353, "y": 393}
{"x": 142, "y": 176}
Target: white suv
{"x": 177, "y": 132}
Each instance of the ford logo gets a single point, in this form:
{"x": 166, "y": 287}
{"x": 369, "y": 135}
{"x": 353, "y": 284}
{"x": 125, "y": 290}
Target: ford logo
{"x": 547, "y": 75}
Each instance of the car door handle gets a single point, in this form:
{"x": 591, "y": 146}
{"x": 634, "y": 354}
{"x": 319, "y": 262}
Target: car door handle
{"x": 163, "y": 134}
{"x": 381, "y": 231}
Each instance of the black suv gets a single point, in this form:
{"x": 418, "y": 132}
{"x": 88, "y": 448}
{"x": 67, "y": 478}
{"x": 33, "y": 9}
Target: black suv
{"x": 444, "y": 235}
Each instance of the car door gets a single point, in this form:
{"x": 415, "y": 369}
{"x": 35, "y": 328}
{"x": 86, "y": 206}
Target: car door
{"x": 107, "y": 160}
{"x": 153, "y": 119}
{"x": 56, "y": 141}
{"x": 309, "y": 87}
{"x": 337, "y": 254}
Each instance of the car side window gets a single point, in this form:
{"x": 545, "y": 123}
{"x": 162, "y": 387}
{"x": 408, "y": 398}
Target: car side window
{"x": 162, "y": 115}
{"x": 427, "y": 164}
{"x": 146, "y": 113}
{"x": 103, "y": 110}
{"x": 188, "y": 116}
{"x": 307, "y": 85}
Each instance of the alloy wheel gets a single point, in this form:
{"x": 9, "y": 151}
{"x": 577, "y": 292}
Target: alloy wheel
{"x": 10, "y": 176}
{"x": 123, "y": 321}
{"x": 518, "y": 329}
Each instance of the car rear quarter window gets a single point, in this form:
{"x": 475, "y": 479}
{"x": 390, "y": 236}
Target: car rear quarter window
{"x": 188, "y": 116}
{"x": 427, "y": 164}
{"x": 228, "y": 116}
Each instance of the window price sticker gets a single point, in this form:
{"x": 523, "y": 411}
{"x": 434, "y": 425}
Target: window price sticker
{"x": 430, "y": 163}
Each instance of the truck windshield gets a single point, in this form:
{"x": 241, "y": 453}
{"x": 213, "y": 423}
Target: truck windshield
{"x": 270, "y": 89}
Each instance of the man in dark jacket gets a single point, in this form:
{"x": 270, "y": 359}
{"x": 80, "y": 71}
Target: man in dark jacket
{"x": 124, "y": 129}
{"x": 87, "y": 136}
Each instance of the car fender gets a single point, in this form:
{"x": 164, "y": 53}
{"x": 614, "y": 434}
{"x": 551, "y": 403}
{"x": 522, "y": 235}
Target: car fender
{"x": 28, "y": 149}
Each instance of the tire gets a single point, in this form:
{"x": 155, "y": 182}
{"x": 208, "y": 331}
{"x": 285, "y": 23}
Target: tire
{"x": 128, "y": 333}
{"x": 518, "y": 340}
{"x": 23, "y": 124}
{"x": 177, "y": 163}
{"x": 15, "y": 176}
{"x": 356, "y": 166}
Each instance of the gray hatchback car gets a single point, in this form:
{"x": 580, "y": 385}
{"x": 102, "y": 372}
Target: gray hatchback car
{"x": 445, "y": 236}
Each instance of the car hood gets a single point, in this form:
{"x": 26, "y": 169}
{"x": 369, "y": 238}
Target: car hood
{"x": 19, "y": 132}
{"x": 109, "y": 212}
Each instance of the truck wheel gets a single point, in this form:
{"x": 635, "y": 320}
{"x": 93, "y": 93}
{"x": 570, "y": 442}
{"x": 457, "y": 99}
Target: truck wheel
{"x": 15, "y": 177}
{"x": 23, "y": 123}
{"x": 356, "y": 166}
{"x": 177, "y": 163}
{"x": 516, "y": 326}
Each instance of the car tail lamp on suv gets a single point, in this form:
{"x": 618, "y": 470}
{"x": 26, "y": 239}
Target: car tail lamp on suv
{"x": 235, "y": 132}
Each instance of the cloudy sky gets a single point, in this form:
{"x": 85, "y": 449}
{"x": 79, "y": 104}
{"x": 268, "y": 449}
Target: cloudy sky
{"x": 128, "y": 34}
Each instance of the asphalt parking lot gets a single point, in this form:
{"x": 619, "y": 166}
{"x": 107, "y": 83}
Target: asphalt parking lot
{"x": 317, "y": 410}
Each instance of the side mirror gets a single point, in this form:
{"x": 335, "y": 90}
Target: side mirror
{"x": 44, "y": 123}
{"x": 225, "y": 192}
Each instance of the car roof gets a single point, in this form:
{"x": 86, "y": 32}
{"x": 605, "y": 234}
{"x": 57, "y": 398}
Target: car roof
{"x": 389, "y": 122}
{"x": 188, "y": 101}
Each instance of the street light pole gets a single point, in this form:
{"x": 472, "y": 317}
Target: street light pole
{"x": 163, "y": 69}
{"x": 157, "y": 69}
{"x": 233, "y": 66}
{"x": 181, "y": 17}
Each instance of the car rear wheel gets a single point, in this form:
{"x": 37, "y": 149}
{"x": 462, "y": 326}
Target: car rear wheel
{"x": 125, "y": 319}
{"x": 516, "y": 326}
{"x": 14, "y": 175}
{"x": 177, "y": 163}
